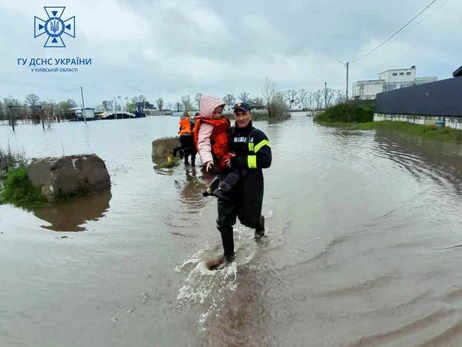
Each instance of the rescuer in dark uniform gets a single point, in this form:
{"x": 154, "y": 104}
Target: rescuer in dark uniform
{"x": 250, "y": 153}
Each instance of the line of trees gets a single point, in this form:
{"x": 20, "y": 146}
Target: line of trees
{"x": 32, "y": 109}
{"x": 275, "y": 101}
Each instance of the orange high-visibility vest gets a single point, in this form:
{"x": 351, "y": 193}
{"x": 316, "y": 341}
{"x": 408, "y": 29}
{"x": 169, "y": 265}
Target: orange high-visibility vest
{"x": 185, "y": 126}
{"x": 219, "y": 138}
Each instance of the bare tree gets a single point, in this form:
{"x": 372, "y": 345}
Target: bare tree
{"x": 317, "y": 98}
{"x": 268, "y": 92}
{"x": 178, "y": 106}
{"x": 170, "y": 106}
{"x": 229, "y": 99}
{"x": 32, "y": 100}
{"x": 310, "y": 100}
{"x": 48, "y": 113}
{"x": 290, "y": 96}
{"x": 138, "y": 99}
{"x": 186, "y": 101}
{"x": 49, "y": 108}
{"x": 105, "y": 105}
{"x": 302, "y": 97}
{"x": 197, "y": 99}
{"x": 244, "y": 96}
{"x": 160, "y": 104}
{"x": 274, "y": 100}
{"x": 328, "y": 95}
{"x": 340, "y": 97}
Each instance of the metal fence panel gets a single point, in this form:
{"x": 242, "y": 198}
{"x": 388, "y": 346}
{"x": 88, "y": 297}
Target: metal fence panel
{"x": 441, "y": 98}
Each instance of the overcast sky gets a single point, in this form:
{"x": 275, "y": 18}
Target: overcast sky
{"x": 170, "y": 48}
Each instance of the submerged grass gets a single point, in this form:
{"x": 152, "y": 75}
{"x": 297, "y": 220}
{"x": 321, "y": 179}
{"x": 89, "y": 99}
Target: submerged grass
{"x": 166, "y": 164}
{"x": 10, "y": 160}
{"x": 19, "y": 191}
{"x": 432, "y": 132}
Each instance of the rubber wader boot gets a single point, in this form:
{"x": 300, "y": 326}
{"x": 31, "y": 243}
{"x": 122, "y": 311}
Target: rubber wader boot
{"x": 260, "y": 230}
{"x": 228, "y": 247}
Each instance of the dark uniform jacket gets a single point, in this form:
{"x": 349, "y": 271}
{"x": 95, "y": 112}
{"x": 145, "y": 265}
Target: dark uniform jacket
{"x": 253, "y": 153}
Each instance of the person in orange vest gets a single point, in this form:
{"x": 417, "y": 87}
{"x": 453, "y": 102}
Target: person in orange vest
{"x": 186, "y": 138}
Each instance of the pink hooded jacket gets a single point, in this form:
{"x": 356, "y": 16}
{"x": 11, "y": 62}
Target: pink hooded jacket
{"x": 208, "y": 104}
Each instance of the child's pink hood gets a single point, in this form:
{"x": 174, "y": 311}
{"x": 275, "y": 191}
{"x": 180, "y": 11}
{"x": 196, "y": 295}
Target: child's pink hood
{"x": 208, "y": 104}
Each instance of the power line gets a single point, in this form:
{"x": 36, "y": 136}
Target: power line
{"x": 396, "y": 33}
{"x": 333, "y": 79}
{"x": 416, "y": 24}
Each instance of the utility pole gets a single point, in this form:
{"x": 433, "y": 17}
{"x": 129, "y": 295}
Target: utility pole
{"x": 83, "y": 103}
{"x": 347, "y": 68}
{"x": 325, "y": 95}
{"x": 347, "y": 72}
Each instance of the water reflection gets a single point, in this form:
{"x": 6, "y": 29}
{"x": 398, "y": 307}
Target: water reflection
{"x": 72, "y": 215}
{"x": 422, "y": 158}
{"x": 191, "y": 188}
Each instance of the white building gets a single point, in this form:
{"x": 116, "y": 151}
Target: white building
{"x": 388, "y": 80}
{"x": 77, "y": 113}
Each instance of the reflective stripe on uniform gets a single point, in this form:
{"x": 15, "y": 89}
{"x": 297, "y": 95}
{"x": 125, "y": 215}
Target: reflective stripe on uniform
{"x": 261, "y": 144}
{"x": 252, "y": 161}
{"x": 251, "y": 145}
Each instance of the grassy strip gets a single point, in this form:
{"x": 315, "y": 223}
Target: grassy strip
{"x": 19, "y": 191}
{"x": 346, "y": 113}
{"x": 432, "y": 132}
{"x": 425, "y": 131}
{"x": 166, "y": 165}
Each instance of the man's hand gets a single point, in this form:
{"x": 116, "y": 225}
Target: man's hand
{"x": 208, "y": 165}
{"x": 227, "y": 162}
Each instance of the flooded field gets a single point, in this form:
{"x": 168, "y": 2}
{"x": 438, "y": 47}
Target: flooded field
{"x": 364, "y": 246}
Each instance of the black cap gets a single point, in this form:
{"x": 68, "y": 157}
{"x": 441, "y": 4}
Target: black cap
{"x": 242, "y": 106}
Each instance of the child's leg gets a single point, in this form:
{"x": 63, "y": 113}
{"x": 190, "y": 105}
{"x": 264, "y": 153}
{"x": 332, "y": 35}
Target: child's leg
{"x": 230, "y": 180}
{"x": 212, "y": 186}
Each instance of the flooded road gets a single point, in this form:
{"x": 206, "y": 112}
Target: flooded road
{"x": 363, "y": 248}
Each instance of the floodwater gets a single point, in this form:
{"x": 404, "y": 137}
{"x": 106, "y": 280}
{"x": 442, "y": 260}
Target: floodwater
{"x": 363, "y": 246}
